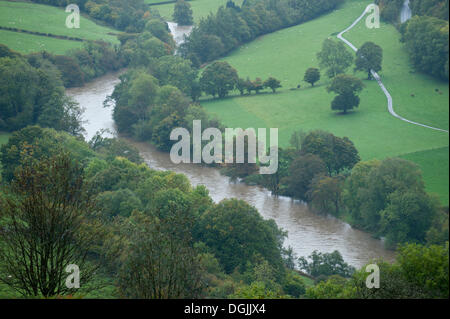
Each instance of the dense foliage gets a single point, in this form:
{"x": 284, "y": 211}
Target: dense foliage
{"x": 432, "y": 8}
{"x": 142, "y": 217}
{"x": 232, "y": 26}
{"x": 46, "y": 225}
{"x": 182, "y": 13}
{"x": 425, "y": 34}
{"x": 426, "y": 39}
{"x": 32, "y": 93}
{"x": 419, "y": 272}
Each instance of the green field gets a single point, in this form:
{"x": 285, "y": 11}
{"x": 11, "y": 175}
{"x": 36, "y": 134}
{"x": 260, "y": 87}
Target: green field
{"x": 29, "y": 43}
{"x": 435, "y": 167}
{"x": 49, "y": 19}
{"x": 286, "y": 55}
{"x": 200, "y": 8}
{"x": 46, "y": 19}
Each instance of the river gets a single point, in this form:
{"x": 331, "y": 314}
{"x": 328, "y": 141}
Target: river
{"x": 306, "y": 231}
{"x": 405, "y": 13}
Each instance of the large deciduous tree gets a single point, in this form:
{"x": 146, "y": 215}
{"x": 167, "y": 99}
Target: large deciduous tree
{"x": 161, "y": 263}
{"x": 337, "y": 153}
{"x": 347, "y": 87}
{"x": 272, "y": 83}
{"x": 46, "y": 226}
{"x": 182, "y": 13}
{"x": 301, "y": 173}
{"x": 334, "y": 57}
{"x": 218, "y": 79}
{"x": 369, "y": 57}
{"x": 237, "y": 235}
{"x": 312, "y": 75}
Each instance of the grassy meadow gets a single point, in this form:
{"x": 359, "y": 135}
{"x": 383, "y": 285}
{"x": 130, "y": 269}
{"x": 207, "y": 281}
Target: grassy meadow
{"x": 28, "y": 43}
{"x": 49, "y": 19}
{"x": 46, "y": 19}
{"x": 200, "y": 8}
{"x": 287, "y": 54}
{"x": 435, "y": 167}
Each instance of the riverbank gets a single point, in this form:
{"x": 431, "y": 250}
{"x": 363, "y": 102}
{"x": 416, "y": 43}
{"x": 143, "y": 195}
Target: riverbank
{"x": 306, "y": 231}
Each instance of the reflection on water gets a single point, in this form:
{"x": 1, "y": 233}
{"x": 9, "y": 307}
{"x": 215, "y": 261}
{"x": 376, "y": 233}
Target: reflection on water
{"x": 306, "y": 231}
{"x": 91, "y": 97}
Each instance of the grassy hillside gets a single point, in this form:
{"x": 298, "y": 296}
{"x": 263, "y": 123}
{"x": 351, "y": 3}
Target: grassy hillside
{"x": 435, "y": 166}
{"x": 28, "y": 43}
{"x": 46, "y": 19}
{"x": 200, "y": 8}
{"x": 49, "y": 19}
{"x": 430, "y": 102}
{"x": 288, "y": 53}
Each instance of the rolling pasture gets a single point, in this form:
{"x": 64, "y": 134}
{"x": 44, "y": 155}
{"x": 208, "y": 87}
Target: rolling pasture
{"x": 28, "y": 43}
{"x": 46, "y": 19}
{"x": 287, "y": 54}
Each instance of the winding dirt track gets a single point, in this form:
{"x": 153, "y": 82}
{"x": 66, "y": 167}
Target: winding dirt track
{"x": 377, "y": 77}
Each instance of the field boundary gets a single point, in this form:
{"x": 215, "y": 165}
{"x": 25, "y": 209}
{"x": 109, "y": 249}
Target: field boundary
{"x": 49, "y": 35}
{"x": 378, "y": 78}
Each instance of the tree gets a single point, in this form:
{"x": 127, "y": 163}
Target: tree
{"x": 426, "y": 39}
{"x": 301, "y": 172}
{"x": 161, "y": 262}
{"x": 64, "y": 114}
{"x": 47, "y": 226}
{"x": 312, "y": 75}
{"x": 407, "y": 217}
{"x": 420, "y": 272}
{"x": 159, "y": 29}
{"x": 369, "y": 57}
{"x": 324, "y": 194}
{"x": 337, "y": 153}
{"x": 294, "y": 285}
{"x": 36, "y": 143}
{"x": 347, "y": 87}
{"x": 427, "y": 267}
{"x": 258, "y": 85}
{"x": 296, "y": 139}
{"x": 241, "y": 85}
{"x": 334, "y": 57}
{"x": 161, "y": 133}
{"x": 176, "y": 71}
{"x": 218, "y": 79}
{"x": 114, "y": 147}
{"x": 29, "y": 91}
{"x": 182, "y": 13}
{"x": 336, "y": 287}
{"x": 143, "y": 92}
{"x": 389, "y": 199}
{"x": 121, "y": 202}
{"x": 272, "y": 83}
{"x": 236, "y": 234}
{"x": 256, "y": 290}
{"x": 326, "y": 264}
